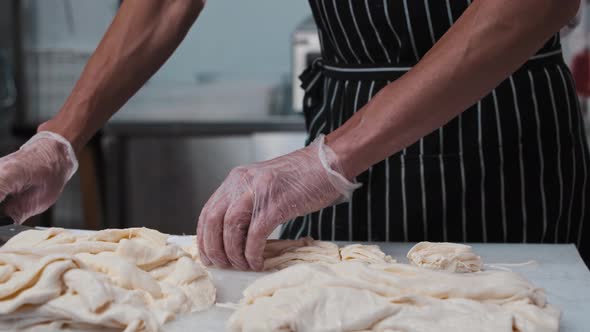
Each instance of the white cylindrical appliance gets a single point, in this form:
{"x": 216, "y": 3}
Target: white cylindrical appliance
{"x": 306, "y": 48}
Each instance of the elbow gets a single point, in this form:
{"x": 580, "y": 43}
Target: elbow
{"x": 198, "y": 5}
{"x": 184, "y": 11}
{"x": 193, "y": 8}
{"x": 566, "y": 10}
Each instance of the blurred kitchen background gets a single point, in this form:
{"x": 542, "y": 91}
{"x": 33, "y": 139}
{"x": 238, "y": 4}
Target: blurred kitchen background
{"x": 227, "y": 97}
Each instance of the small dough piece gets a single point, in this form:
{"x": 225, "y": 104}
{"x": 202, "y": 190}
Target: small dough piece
{"x": 450, "y": 257}
{"x": 364, "y": 253}
{"x": 279, "y": 254}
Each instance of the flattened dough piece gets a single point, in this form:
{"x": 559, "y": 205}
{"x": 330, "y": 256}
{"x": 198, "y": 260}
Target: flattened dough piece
{"x": 353, "y": 296}
{"x": 450, "y": 257}
{"x": 279, "y": 254}
{"x": 364, "y": 253}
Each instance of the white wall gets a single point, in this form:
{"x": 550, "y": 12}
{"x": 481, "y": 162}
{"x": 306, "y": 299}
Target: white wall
{"x": 232, "y": 38}
{"x": 46, "y": 22}
{"x": 239, "y": 39}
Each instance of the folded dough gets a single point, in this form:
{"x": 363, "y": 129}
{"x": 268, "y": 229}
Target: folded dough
{"x": 364, "y": 253}
{"x": 279, "y": 254}
{"x": 352, "y": 296}
{"x": 450, "y": 257}
{"x": 120, "y": 279}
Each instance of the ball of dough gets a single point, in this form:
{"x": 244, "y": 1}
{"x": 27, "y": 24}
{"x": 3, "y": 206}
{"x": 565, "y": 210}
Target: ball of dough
{"x": 450, "y": 257}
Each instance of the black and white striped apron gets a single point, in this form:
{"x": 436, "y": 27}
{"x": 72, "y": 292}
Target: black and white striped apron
{"x": 513, "y": 167}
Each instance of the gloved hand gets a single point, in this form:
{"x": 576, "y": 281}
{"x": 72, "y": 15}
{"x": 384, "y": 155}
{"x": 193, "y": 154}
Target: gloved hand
{"x": 254, "y": 199}
{"x": 33, "y": 177}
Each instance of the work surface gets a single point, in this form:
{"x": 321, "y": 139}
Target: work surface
{"x": 558, "y": 269}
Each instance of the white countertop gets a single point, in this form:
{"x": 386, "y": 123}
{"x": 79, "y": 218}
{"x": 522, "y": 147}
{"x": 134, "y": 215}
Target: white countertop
{"x": 558, "y": 269}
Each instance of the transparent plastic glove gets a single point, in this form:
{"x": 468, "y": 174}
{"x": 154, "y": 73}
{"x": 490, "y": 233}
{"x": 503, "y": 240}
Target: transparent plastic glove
{"x": 255, "y": 199}
{"x": 32, "y": 178}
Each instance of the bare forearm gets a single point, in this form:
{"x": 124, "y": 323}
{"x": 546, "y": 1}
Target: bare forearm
{"x": 141, "y": 38}
{"x": 489, "y": 42}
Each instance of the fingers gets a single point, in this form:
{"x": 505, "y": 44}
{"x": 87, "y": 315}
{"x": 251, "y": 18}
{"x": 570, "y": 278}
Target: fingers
{"x": 23, "y": 206}
{"x": 9, "y": 179}
{"x": 11, "y": 183}
{"x": 34, "y": 176}
{"x": 256, "y": 241}
{"x": 201, "y": 240}
{"x": 213, "y": 234}
{"x": 235, "y": 229}
{"x": 203, "y": 218}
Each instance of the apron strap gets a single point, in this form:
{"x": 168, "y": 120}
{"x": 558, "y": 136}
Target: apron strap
{"x": 387, "y": 72}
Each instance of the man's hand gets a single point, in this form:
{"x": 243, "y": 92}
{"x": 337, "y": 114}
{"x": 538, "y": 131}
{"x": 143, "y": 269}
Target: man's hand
{"x": 255, "y": 199}
{"x": 33, "y": 177}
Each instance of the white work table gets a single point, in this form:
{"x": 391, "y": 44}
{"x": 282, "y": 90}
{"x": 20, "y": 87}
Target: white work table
{"x": 558, "y": 269}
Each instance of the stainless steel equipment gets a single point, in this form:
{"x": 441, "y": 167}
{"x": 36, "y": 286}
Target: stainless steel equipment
{"x": 306, "y": 48}
{"x": 170, "y": 148}
{"x": 164, "y": 183}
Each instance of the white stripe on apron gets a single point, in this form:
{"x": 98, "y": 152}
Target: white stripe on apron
{"x": 501, "y": 155}
{"x": 541, "y": 159}
{"x": 557, "y": 136}
{"x": 571, "y": 130}
{"x": 482, "y": 166}
{"x": 358, "y": 60}
{"x": 520, "y": 162}
{"x": 359, "y": 31}
{"x": 376, "y": 32}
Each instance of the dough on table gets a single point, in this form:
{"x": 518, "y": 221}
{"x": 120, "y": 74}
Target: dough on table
{"x": 364, "y": 253}
{"x": 279, "y": 254}
{"x": 119, "y": 279}
{"x": 353, "y": 296}
{"x": 450, "y": 257}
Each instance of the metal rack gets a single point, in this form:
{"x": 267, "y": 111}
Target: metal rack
{"x": 50, "y": 74}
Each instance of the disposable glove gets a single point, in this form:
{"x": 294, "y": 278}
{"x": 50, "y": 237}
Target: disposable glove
{"x": 255, "y": 199}
{"x": 32, "y": 178}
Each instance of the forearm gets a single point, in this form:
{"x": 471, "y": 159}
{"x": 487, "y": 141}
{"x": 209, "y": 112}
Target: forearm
{"x": 141, "y": 38}
{"x": 461, "y": 68}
